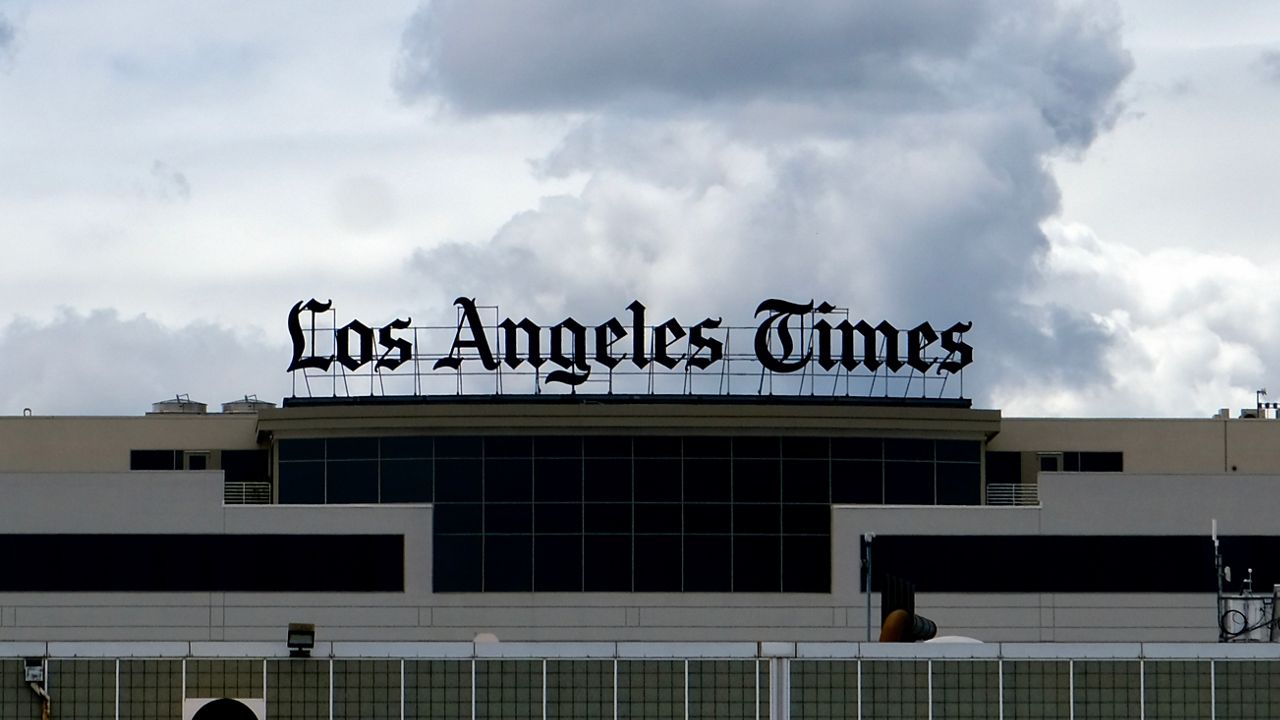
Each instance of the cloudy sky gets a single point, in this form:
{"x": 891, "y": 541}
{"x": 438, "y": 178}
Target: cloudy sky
{"x": 1093, "y": 185}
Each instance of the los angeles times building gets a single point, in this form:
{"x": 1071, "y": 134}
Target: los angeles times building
{"x": 634, "y": 546}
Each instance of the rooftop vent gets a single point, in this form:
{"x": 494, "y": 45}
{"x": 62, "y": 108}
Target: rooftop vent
{"x": 179, "y": 405}
{"x": 249, "y": 404}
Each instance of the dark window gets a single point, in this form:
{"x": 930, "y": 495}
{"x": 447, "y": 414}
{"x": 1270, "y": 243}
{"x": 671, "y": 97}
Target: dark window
{"x": 458, "y": 562}
{"x": 606, "y": 446}
{"x": 806, "y": 519}
{"x": 657, "y": 563}
{"x": 959, "y": 484}
{"x": 197, "y": 461}
{"x": 406, "y": 481}
{"x": 607, "y": 517}
{"x": 657, "y": 480}
{"x": 921, "y": 450}
{"x": 707, "y": 447}
{"x": 646, "y": 446}
{"x": 606, "y": 563}
{"x": 1004, "y": 467}
{"x": 606, "y": 480}
{"x": 508, "y": 480}
{"x": 459, "y": 446}
{"x": 407, "y": 447}
{"x": 657, "y": 518}
{"x": 958, "y": 450}
{"x": 707, "y": 480}
{"x": 857, "y": 448}
{"x": 557, "y": 563}
{"x": 757, "y": 518}
{"x": 806, "y": 448}
{"x": 708, "y": 563}
{"x": 557, "y": 518}
{"x": 351, "y": 481}
{"x": 908, "y": 483}
{"x": 708, "y": 518}
{"x": 857, "y": 482}
{"x": 502, "y": 517}
{"x": 508, "y": 446}
{"x": 459, "y": 480}
{"x": 362, "y": 448}
{"x": 1101, "y": 462}
{"x": 244, "y": 465}
{"x": 508, "y": 563}
{"x": 806, "y": 564}
{"x": 806, "y": 481}
{"x": 757, "y": 563}
{"x": 557, "y": 446}
{"x": 557, "y": 480}
{"x": 302, "y": 483}
{"x": 757, "y": 480}
{"x": 155, "y": 459}
{"x": 458, "y": 518}
{"x": 301, "y": 450}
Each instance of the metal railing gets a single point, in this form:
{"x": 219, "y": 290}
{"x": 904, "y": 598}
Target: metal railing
{"x": 1013, "y": 494}
{"x": 246, "y": 493}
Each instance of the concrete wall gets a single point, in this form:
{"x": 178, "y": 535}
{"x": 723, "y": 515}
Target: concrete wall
{"x": 1077, "y": 503}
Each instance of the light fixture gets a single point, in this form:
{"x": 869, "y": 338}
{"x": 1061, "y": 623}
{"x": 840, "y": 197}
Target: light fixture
{"x": 301, "y": 638}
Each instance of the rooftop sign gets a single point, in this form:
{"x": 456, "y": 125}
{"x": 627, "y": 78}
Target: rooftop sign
{"x": 791, "y": 340}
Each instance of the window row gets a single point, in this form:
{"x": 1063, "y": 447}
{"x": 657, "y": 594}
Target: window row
{"x": 390, "y": 478}
{"x": 631, "y": 563}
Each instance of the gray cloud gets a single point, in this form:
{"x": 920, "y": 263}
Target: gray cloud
{"x": 102, "y": 363}
{"x": 168, "y": 183}
{"x": 8, "y": 35}
{"x": 1268, "y": 66}
{"x": 887, "y": 157}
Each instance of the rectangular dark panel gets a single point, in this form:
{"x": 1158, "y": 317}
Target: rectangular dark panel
{"x": 206, "y": 563}
{"x": 757, "y": 518}
{"x": 959, "y": 484}
{"x": 757, "y": 480}
{"x": 459, "y": 446}
{"x": 908, "y": 449}
{"x": 708, "y": 563}
{"x": 508, "y": 446}
{"x": 1004, "y": 467}
{"x": 607, "y": 480}
{"x": 708, "y": 518}
{"x": 558, "y": 446}
{"x": 806, "y": 481}
{"x": 649, "y": 446}
{"x": 857, "y": 448}
{"x": 357, "y": 448}
{"x": 908, "y": 483}
{"x": 806, "y": 564}
{"x": 351, "y": 481}
{"x": 508, "y": 563}
{"x": 1058, "y": 563}
{"x": 155, "y": 459}
{"x": 700, "y": 446}
{"x": 806, "y": 448}
{"x": 657, "y": 563}
{"x": 508, "y": 518}
{"x": 459, "y": 480}
{"x": 411, "y": 447}
{"x": 857, "y": 482}
{"x": 756, "y": 447}
{"x": 657, "y": 517}
{"x": 958, "y": 450}
{"x": 757, "y": 563}
{"x": 508, "y": 480}
{"x": 606, "y": 446}
{"x": 657, "y": 480}
{"x": 557, "y": 518}
{"x": 607, "y": 563}
{"x": 301, "y": 483}
{"x": 607, "y": 517}
{"x": 457, "y": 518}
{"x": 806, "y": 519}
{"x": 301, "y": 450}
{"x": 245, "y": 465}
{"x": 557, "y": 479}
{"x": 1101, "y": 462}
{"x": 457, "y": 563}
{"x": 406, "y": 481}
{"x": 707, "y": 480}
{"x": 557, "y": 563}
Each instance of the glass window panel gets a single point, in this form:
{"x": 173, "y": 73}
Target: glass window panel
{"x": 352, "y": 481}
{"x": 806, "y": 564}
{"x": 459, "y": 446}
{"x": 508, "y": 517}
{"x": 652, "y": 446}
{"x": 406, "y": 446}
{"x": 858, "y": 482}
{"x": 959, "y": 484}
{"x": 806, "y": 519}
{"x": 607, "y": 517}
{"x": 606, "y": 563}
{"x": 708, "y": 562}
{"x": 508, "y": 563}
{"x": 302, "y": 483}
{"x": 857, "y": 448}
{"x": 301, "y": 450}
{"x": 806, "y": 481}
{"x": 757, "y": 480}
{"x": 458, "y": 518}
{"x": 806, "y": 448}
{"x": 707, "y": 480}
{"x": 1004, "y": 467}
{"x": 606, "y": 446}
{"x": 702, "y": 518}
{"x": 457, "y": 561}
{"x": 657, "y": 563}
{"x": 699, "y": 446}
{"x": 557, "y": 446}
{"x": 657, "y": 480}
{"x": 459, "y": 480}
{"x": 557, "y": 479}
{"x": 757, "y": 563}
{"x": 757, "y": 518}
{"x": 756, "y": 447}
{"x": 406, "y": 481}
{"x": 908, "y": 449}
{"x": 557, "y": 517}
{"x": 155, "y": 459}
{"x": 357, "y": 448}
{"x": 1102, "y": 462}
{"x": 557, "y": 563}
{"x": 508, "y": 446}
{"x": 607, "y": 480}
{"x": 908, "y": 483}
{"x": 508, "y": 480}
{"x": 958, "y": 450}
{"x": 1071, "y": 462}
{"x": 657, "y": 517}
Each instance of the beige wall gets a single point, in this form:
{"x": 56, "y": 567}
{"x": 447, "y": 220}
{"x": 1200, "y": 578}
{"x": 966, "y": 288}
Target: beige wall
{"x": 102, "y": 444}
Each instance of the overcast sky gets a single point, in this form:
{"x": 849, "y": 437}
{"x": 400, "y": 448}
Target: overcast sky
{"x": 1093, "y": 185}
